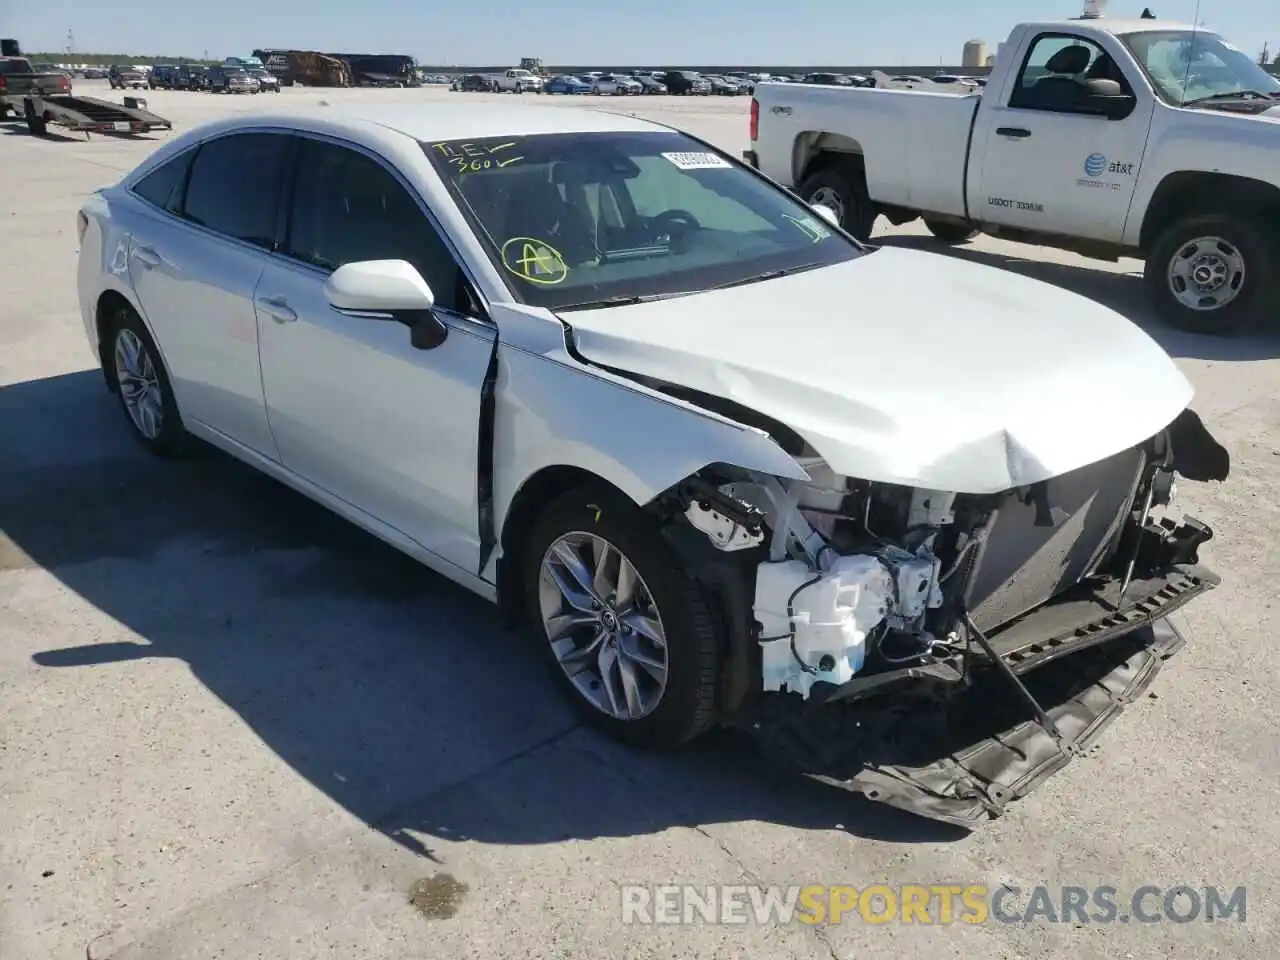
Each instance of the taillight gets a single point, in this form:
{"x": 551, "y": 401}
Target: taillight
{"x": 755, "y": 119}
{"x": 2, "y": 82}
{"x": 82, "y": 224}
{"x": 64, "y": 83}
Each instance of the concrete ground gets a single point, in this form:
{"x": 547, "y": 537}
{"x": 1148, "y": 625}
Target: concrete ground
{"x": 233, "y": 726}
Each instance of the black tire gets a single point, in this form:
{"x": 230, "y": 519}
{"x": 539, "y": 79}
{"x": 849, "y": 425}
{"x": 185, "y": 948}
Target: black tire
{"x": 1258, "y": 292}
{"x": 37, "y": 125}
{"x": 172, "y": 441}
{"x": 847, "y": 181}
{"x": 688, "y": 704}
{"x": 951, "y": 232}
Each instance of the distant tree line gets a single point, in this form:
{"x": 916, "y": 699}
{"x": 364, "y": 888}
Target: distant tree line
{"x": 108, "y": 59}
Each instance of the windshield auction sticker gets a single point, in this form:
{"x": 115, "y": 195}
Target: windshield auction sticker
{"x": 534, "y": 260}
{"x": 697, "y": 161}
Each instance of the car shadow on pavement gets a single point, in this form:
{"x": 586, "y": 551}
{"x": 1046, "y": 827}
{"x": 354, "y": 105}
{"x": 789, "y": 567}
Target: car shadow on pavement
{"x": 1122, "y": 292}
{"x": 389, "y": 688}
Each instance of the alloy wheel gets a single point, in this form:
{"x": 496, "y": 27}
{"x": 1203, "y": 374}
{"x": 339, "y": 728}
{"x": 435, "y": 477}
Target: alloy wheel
{"x": 603, "y": 626}
{"x": 139, "y": 384}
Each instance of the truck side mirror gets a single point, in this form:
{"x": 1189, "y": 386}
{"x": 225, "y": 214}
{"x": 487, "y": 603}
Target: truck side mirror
{"x": 1105, "y": 98}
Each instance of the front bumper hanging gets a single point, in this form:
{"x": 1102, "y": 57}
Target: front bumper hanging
{"x": 959, "y": 745}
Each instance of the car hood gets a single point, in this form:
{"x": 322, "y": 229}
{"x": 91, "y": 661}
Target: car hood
{"x": 911, "y": 368}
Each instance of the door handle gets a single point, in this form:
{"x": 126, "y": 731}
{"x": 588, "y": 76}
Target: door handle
{"x": 1018, "y": 133}
{"x": 277, "y": 309}
{"x": 147, "y": 256}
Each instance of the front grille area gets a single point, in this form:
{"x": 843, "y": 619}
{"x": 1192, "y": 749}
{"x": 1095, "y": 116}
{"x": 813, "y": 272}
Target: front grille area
{"x": 1024, "y": 565}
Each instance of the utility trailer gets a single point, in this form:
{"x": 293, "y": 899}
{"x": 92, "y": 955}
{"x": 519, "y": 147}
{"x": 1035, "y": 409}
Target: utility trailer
{"x": 87, "y": 115}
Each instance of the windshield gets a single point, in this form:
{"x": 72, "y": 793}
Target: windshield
{"x": 577, "y": 219}
{"x": 1187, "y": 65}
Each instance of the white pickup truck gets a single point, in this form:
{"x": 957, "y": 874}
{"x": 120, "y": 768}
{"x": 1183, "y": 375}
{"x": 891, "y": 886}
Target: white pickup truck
{"x": 518, "y": 80}
{"x": 1112, "y": 138}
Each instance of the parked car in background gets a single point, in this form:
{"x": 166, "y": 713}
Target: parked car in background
{"x": 231, "y": 79}
{"x": 268, "y": 82}
{"x": 723, "y": 86}
{"x": 827, "y": 79}
{"x": 163, "y": 76}
{"x": 651, "y": 85}
{"x": 191, "y": 76}
{"x": 566, "y": 84}
{"x": 518, "y": 80}
{"x": 616, "y": 85}
{"x": 126, "y": 78}
{"x": 686, "y": 83}
{"x": 474, "y": 83}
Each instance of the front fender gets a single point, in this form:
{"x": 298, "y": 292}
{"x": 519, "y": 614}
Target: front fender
{"x": 551, "y": 411}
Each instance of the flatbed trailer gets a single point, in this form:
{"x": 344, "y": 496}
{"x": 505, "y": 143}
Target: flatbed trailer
{"x": 87, "y": 115}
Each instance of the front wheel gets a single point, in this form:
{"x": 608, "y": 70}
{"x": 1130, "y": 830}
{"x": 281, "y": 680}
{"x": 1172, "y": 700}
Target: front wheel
{"x": 842, "y": 188}
{"x": 1213, "y": 273}
{"x": 628, "y": 633}
{"x": 951, "y": 232}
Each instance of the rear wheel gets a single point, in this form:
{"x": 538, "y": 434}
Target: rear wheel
{"x": 137, "y": 374}
{"x": 843, "y": 188}
{"x": 1214, "y": 273}
{"x": 629, "y": 635}
{"x": 951, "y": 232}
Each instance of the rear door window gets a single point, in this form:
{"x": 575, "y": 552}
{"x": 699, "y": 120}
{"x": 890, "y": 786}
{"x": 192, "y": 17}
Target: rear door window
{"x": 234, "y": 186}
{"x": 162, "y": 186}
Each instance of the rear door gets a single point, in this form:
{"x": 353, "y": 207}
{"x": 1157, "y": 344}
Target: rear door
{"x": 195, "y": 260}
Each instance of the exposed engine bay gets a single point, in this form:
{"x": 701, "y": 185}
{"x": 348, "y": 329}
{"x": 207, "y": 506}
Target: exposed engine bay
{"x": 887, "y": 606}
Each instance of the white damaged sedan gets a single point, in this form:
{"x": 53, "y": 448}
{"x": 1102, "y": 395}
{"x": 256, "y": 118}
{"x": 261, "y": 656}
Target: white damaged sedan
{"x": 903, "y": 518}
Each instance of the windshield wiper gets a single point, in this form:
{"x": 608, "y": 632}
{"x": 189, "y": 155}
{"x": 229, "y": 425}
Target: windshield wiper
{"x": 652, "y": 297}
{"x": 767, "y": 275}
{"x": 1233, "y": 95}
{"x": 626, "y": 301}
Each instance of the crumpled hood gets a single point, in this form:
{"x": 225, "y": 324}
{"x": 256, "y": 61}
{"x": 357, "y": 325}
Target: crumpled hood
{"x": 911, "y": 368}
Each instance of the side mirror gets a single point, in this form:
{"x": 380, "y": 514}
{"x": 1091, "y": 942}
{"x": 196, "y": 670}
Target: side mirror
{"x": 390, "y": 290}
{"x": 1105, "y": 98}
{"x": 826, "y": 213}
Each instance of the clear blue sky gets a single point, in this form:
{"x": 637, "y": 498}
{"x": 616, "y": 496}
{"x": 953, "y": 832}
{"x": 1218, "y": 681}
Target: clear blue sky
{"x": 600, "y": 32}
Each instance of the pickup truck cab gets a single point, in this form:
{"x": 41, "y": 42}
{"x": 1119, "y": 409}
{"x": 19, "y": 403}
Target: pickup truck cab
{"x": 1110, "y": 138}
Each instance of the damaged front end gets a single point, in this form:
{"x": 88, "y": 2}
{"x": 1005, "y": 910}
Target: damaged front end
{"x": 941, "y": 652}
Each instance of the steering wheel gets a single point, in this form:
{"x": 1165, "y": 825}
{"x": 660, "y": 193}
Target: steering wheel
{"x": 665, "y": 221}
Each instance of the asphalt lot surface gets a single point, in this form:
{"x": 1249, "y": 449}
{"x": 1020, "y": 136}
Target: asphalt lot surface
{"x": 231, "y": 725}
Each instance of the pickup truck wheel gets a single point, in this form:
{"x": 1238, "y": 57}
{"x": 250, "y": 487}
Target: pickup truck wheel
{"x": 137, "y": 374}
{"x": 951, "y": 232}
{"x": 845, "y": 192}
{"x": 629, "y": 635}
{"x": 1214, "y": 274}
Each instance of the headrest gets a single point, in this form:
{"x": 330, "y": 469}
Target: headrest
{"x": 1069, "y": 60}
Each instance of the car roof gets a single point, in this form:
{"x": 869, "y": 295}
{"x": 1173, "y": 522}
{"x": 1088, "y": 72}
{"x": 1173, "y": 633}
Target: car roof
{"x": 460, "y": 121}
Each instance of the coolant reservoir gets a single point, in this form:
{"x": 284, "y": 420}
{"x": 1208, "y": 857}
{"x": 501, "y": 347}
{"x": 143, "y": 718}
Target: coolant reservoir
{"x": 828, "y": 622}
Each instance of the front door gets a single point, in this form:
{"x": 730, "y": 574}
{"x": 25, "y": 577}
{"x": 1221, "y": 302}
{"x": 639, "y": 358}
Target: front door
{"x": 1047, "y": 166}
{"x": 354, "y": 407}
{"x": 194, "y": 264}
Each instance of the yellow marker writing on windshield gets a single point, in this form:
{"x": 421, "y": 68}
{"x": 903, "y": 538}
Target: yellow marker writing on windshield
{"x": 534, "y": 260}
